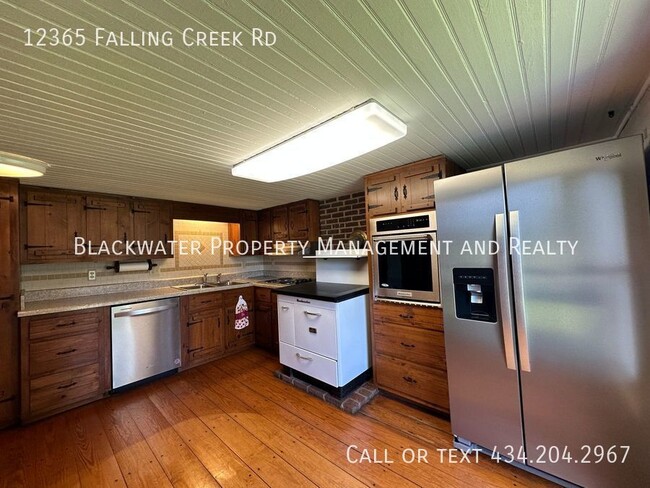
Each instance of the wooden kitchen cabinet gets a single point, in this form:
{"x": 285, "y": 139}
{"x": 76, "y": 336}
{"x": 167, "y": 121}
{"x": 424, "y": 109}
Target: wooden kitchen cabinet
{"x": 65, "y": 361}
{"x": 238, "y": 339}
{"x": 248, "y": 225}
{"x": 297, "y": 221}
{"x": 409, "y": 353}
{"x": 202, "y": 321}
{"x": 266, "y": 319}
{"x": 9, "y": 302}
{"x": 382, "y": 194}
{"x": 152, "y": 222}
{"x": 264, "y": 232}
{"x": 246, "y": 231}
{"x": 50, "y": 221}
{"x": 406, "y": 188}
{"x": 304, "y": 220}
{"x": 280, "y": 223}
{"x": 107, "y": 219}
{"x": 417, "y": 184}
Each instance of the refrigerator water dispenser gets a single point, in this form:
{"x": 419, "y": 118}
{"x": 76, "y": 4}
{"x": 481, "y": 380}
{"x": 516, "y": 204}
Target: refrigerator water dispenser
{"x": 474, "y": 294}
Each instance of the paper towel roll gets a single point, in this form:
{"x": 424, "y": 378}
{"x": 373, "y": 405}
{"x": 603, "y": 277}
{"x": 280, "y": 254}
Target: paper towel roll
{"x": 135, "y": 266}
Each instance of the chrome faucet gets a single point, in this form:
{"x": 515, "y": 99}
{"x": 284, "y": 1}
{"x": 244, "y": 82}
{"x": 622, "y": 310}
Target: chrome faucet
{"x": 205, "y": 278}
{"x": 218, "y": 278}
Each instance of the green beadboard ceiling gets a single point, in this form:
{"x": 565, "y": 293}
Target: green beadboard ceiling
{"x": 482, "y": 81}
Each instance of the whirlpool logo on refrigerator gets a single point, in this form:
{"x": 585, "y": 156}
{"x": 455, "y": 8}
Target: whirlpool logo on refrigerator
{"x": 608, "y": 157}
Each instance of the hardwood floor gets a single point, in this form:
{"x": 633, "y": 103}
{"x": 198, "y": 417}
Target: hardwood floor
{"x": 231, "y": 423}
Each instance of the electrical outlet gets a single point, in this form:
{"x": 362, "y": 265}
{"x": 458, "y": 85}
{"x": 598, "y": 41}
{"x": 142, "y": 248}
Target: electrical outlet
{"x": 91, "y": 275}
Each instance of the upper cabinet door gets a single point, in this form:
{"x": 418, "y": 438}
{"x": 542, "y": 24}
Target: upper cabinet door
{"x": 152, "y": 225}
{"x": 264, "y": 225}
{"x": 383, "y": 194}
{"x": 51, "y": 221}
{"x": 416, "y": 189}
{"x": 107, "y": 219}
{"x": 248, "y": 226}
{"x": 407, "y": 188}
{"x": 298, "y": 221}
{"x": 280, "y": 223}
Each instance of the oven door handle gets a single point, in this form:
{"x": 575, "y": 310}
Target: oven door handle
{"x": 403, "y": 237}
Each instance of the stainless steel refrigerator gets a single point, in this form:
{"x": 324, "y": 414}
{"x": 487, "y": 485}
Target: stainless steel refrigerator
{"x": 548, "y": 355}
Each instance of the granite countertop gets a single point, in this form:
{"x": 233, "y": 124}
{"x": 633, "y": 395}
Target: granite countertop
{"x": 322, "y": 290}
{"x": 42, "y": 307}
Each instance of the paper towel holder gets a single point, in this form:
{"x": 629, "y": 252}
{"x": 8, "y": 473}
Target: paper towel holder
{"x": 147, "y": 265}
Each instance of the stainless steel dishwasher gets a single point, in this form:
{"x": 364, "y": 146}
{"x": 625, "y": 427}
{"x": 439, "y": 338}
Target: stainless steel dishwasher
{"x": 145, "y": 339}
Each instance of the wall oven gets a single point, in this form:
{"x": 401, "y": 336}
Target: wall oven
{"x": 404, "y": 257}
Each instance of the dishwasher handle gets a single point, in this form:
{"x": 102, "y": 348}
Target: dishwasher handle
{"x": 145, "y": 311}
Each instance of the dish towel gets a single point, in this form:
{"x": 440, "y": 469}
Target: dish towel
{"x": 241, "y": 313}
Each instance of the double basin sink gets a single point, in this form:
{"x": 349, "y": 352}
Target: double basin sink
{"x": 201, "y": 286}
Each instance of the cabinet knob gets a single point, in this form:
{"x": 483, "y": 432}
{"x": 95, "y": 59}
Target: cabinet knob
{"x": 405, "y": 191}
{"x": 396, "y": 194}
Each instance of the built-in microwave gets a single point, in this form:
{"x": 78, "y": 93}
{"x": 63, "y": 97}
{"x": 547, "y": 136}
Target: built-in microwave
{"x": 404, "y": 257}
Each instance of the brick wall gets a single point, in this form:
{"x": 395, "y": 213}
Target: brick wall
{"x": 342, "y": 215}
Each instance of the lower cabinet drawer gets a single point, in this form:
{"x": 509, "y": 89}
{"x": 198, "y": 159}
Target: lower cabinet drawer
{"x": 421, "y": 346}
{"x": 316, "y": 330}
{"x": 205, "y": 300}
{"x": 417, "y": 382}
{"x": 49, "y": 326}
{"x": 63, "y": 353}
{"x": 309, "y": 363}
{"x": 59, "y": 390}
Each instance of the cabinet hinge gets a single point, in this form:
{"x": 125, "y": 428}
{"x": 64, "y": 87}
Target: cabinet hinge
{"x": 36, "y": 204}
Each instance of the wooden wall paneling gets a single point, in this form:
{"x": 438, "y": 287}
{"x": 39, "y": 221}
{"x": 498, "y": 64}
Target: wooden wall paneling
{"x": 9, "y": 302}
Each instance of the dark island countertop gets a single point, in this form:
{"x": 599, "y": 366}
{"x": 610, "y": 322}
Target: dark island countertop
{"x": 322, "y": 290}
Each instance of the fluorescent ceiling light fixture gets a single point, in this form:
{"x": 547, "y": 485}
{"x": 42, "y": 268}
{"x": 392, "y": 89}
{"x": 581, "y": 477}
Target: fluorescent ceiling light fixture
{"x": 344, "y": 137}
{"x": 16, "y": 166}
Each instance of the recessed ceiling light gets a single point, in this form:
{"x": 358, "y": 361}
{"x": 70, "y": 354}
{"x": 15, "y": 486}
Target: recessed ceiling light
{"x": 344, "y": 137}
{"x": 16, "y": 166}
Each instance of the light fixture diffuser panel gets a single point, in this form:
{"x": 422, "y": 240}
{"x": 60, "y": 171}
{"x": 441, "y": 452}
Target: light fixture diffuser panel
{"x": 16, "y": 166}
{"x": 347, "y": 136}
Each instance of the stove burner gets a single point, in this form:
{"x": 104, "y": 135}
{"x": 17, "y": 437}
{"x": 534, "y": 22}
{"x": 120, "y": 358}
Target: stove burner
{"x": 288, "y": 281}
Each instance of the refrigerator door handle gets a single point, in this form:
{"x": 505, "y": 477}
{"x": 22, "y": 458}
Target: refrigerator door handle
{"x": 504, "y": 291}
{"x": 518, "y": 292}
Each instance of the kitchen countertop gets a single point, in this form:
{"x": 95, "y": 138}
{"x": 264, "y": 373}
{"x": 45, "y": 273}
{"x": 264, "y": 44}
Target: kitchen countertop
{"x": 322, "y": 290}
{"x": 42, "y": 307}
